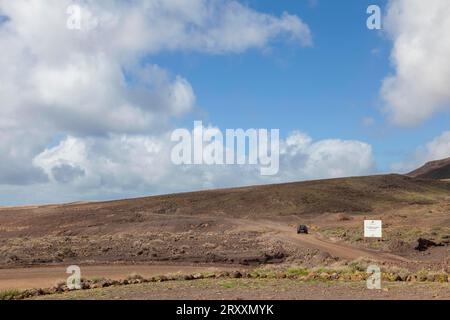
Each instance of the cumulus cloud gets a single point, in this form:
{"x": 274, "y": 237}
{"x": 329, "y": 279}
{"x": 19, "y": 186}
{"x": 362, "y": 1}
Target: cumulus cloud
{"x": 152, "y": 26}
{"x": 304, "y": 158}
{"x": 91, "y": 82}
{"x": 420, "y": 55}
{"x": 115, "y": 162}
{"x": 66, "y": 173}
{"x": 438, "y": 148}
{"x": 142, "y": 164}
{"x": 83, "y": 117}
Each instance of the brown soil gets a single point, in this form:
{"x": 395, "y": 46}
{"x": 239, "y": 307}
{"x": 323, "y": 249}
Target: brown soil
{"x": 245, "y": 226}
{"x": 338, "y": 250}
{"x": 266, "y": 289}
{"x": 439, "y": 170}
{"x": 46, "y": 277}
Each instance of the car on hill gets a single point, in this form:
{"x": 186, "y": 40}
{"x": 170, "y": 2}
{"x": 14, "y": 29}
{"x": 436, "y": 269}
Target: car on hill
{"x": 302, "y": 229}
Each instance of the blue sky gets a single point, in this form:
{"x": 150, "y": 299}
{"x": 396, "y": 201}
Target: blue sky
{"x": 89, "y": 100}
{"x": 325, "y": 90}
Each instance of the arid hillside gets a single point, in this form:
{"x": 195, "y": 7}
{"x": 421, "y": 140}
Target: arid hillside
{"x": 359, "y": 195}
{"x": 251, "y": 225}
{"x": 438, "y": 170}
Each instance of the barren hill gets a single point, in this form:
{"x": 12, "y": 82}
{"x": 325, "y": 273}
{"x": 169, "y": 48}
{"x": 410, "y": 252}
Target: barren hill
{"x": 345, "y": 195}
{"x": 439, "y": 169}
{"x": 250, "y": 225}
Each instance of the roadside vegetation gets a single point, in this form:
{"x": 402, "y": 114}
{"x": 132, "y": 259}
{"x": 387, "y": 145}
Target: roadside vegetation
{"x": 353, "y": 272}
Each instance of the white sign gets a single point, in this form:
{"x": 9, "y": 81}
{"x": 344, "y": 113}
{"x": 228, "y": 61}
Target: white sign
{"x": 372, "y": 229}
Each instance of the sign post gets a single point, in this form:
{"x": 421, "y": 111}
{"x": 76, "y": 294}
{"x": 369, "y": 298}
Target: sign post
{"x": 373, "y": 229}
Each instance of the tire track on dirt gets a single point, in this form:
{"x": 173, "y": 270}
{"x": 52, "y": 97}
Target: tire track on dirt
{"x": 344, "y": 251}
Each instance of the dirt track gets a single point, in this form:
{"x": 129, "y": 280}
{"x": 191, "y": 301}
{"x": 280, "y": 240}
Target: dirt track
{"x": 44, "y": 277}
{"x": 287, "y": 233}
{"x": 47, "y": 276}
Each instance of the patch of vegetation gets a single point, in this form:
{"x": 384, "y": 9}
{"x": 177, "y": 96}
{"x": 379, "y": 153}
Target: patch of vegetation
{"x": 208, "y": 274}
{"x": 416, "y": 198}
{"x": 324, "y": 270}
{"x": 441, "y": 234}
{"x": 297, "y": 272}
{"x": 358, "y": 265}
{"x": 9, "y": 294}
{"x": 353, "y": 272}
{"x": 262, "y": 273}
{"x": 352, "y": 235}
{"x": 229, "y": 284}
{"x": 408, "y": 234}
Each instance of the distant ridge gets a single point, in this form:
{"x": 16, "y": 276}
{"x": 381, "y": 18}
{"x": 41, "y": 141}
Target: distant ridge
{"x": 437, "y": 170}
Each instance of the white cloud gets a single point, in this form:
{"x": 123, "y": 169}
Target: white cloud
{"x": 110, "y": 163}
{"x": 133, "y": 27}
{"x": 419, "y": 88}
{"x": 302, "y": 158}
{"x": 137, "y": 165}
{"x": 82, "y": 118}
{"x": 90, "y": 82}
{"x": 438, "y": 148}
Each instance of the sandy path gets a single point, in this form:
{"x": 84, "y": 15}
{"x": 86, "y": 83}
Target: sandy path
{"x": 44, "y": 277}
{"x": 287, "y": 233}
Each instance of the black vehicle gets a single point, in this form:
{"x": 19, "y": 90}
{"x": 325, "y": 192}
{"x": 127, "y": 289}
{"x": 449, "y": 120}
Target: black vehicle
{"x": 302, "y": 229}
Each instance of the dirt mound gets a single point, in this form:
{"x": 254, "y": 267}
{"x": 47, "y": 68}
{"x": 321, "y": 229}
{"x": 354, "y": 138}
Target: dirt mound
{"x": 437, "y": 170}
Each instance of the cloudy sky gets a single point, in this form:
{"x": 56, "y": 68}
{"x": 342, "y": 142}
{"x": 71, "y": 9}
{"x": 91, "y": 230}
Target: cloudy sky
{"x": 87, "y": 114}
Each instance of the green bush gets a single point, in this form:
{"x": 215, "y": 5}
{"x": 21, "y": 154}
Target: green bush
{"x": 9, "y": 294}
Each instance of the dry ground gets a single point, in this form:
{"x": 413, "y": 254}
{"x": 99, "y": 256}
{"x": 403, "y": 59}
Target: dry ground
{"x": 266, "y": 289}
{"x": 46, "y": 277}
{"x": 236, "y": 227}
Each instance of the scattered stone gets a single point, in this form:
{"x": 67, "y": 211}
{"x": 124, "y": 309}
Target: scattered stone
{"x": 325, "y": 276}
{"x": 198, "y": 276}
{"x": 163, "y": 278}
{"x": 224, "y": 274}
{"x": 424, "y": 244}
{"x": 188, "y": 277}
